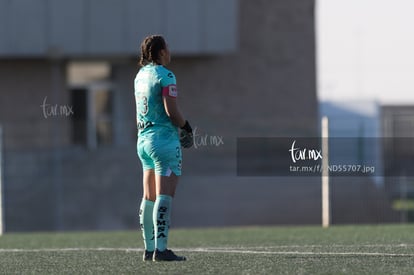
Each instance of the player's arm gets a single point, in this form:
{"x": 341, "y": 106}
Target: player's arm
{"x": 186, "y": 133}
{"x": 173, "y": 112}
{"x": 169, "y": 93}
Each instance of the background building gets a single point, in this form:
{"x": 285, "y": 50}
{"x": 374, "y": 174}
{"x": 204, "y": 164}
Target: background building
{"x": 244, "y": 68}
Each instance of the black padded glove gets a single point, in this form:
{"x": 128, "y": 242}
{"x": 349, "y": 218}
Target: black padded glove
{"x": 186, "y": 135}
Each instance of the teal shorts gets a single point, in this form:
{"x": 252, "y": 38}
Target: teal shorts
{"x": 163, "y": 156}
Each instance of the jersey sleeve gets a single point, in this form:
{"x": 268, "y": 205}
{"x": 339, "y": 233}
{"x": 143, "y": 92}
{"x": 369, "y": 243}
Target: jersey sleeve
{"x": 168, "y": 84}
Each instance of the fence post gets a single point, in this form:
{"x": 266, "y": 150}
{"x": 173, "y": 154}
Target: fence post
{"x": 326, "y": 211}
{"x": 2, "y": 225}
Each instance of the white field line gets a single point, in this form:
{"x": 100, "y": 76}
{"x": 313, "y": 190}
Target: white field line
{"x": 238, "y": 250}
{"x": 310, "y": 246}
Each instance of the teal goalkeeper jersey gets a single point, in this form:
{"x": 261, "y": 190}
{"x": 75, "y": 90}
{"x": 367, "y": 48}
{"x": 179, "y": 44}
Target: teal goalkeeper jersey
{"x": 151, "y": 84}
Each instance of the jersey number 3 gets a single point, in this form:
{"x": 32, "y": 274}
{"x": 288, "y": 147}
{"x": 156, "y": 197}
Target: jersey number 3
{"x": 143, "y": 105}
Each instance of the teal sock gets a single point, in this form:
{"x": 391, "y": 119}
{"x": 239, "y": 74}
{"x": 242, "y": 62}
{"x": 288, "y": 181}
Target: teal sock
{"x": 147, "y": 226}
{"x": 161, "y": 218}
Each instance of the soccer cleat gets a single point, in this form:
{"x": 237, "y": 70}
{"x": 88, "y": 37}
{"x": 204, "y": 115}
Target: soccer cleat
{"x": 147, "y": 256}
{"x": 166, "y": 255}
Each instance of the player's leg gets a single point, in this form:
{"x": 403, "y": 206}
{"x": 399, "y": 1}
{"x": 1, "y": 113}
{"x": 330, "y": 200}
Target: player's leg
{"x": 167, "y": 172}
{"x": 149, "y": 192}
{"x": 162, "y": 209}
{"x": 147, "y": 203}
{"x": 166, "y": 186}
{"x": 146, "y": 212}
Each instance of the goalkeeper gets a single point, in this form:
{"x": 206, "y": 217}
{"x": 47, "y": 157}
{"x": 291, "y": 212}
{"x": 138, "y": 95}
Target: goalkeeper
{"x": 159, "y": 145}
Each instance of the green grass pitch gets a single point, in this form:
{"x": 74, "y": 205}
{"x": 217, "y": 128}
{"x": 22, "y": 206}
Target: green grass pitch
{"x": 382, "y": 249}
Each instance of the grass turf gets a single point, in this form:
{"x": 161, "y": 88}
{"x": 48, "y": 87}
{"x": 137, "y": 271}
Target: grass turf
{"x": 385, "y": 249}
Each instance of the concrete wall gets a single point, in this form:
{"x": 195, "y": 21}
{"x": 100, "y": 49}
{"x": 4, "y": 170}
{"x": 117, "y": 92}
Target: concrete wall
{"x": 266, "y": 88}
{"x": 33, "y": 97}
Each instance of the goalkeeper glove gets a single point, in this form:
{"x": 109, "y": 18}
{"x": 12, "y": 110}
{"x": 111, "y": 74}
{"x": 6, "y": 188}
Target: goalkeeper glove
{"x": 186, "y": 135}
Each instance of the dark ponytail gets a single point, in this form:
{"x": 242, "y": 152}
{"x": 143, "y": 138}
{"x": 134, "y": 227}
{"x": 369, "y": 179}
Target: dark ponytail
{"x": 150, "y": 49}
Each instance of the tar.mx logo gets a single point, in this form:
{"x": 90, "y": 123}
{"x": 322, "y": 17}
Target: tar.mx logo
{"x": 304, "y": 153}
{"x": 202, "y": 139}
{"x": 55, "y": 110}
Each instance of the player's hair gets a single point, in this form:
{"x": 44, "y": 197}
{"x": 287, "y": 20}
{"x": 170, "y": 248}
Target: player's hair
{"x": 150, "y": 49}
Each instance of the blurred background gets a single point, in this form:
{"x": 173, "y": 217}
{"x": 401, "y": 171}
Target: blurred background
{"x": 265, "y": 68}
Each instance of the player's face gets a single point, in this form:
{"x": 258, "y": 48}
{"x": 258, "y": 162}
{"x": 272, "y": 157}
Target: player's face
{"x": 165, "y": 56}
